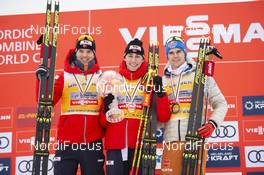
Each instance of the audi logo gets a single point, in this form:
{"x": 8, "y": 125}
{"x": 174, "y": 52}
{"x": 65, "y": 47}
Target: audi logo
{"x": 256, "y": 156}
{"x": 228, "y": 131}
{"x": 4, "y": 142}
{"x": 26, "y": 166}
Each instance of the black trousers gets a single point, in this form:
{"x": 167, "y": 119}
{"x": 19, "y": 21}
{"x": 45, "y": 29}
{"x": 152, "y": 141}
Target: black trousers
{"x": 115, "y": 164}
{"x": 89, "y": 156}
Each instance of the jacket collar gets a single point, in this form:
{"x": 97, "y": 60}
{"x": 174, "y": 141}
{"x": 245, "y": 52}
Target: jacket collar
{"x": 71, "y": 68}
{"x": 142, "y": 70}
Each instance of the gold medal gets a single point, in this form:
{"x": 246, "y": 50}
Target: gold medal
{"x": 175, "y": 108}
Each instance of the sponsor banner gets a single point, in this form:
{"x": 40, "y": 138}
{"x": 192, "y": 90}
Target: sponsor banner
{"x": 5, "y": 142}
{"x": 253, "y": 130}
{"x": 227, "y": 132}
{"x": 253, "y": 105}
{"x": 6, "y": 117}
{"x": 24, "y": 165}
{"x": 25, "y": 141}
{"x": 26, "y": 116}
{"x": 254, "y": 156}
{"x": 235, "y": 36}
{"x": 5, "y": 166}
{"x": 231, "y": 104}
{"x": 223, "y": 158}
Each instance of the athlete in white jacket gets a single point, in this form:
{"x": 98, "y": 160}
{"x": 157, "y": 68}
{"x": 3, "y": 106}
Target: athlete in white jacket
{"x": 178, "y": 82}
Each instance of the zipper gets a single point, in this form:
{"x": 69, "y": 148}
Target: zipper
{"x": 84, "y": 132}
{"x": 179, "y": 129}
{"x": 126, "y": 135}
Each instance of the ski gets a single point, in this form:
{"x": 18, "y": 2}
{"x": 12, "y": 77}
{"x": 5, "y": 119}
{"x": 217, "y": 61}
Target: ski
{"x": 148, "y": 81}
{"x": 191, "y": 154}
{"x": 43, "y": 117}
{"x": 150, "y": 140}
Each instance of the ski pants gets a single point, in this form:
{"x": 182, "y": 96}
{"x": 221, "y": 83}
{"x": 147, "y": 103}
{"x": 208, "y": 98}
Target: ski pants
{"x": 89, "y": 156}
{"x": 115, "y": 164}
{"x": 172, "y": 159}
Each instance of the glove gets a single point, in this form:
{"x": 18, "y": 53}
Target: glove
{"x": 207, "y": 130}
{"x": 107, "y": 101}
{"x": 42, "y": 71}
{"x": 157, "y": 81}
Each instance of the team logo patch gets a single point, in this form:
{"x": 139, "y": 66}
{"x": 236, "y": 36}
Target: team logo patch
{"x": 172, "y": 44}
{"x": 135, "y": 48}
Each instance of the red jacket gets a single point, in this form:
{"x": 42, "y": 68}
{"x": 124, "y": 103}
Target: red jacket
{"x": 75, "y": 128}
{"x": 115, "y": 135}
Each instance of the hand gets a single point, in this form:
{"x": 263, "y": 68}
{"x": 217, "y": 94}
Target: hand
{"x": 107, "y": 101}
{"x": 157, "y": 81}
{"x": 42, "y": 71}
{"x": 207, "y": 130}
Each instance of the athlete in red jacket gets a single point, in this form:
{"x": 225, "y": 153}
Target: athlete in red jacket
{"x": 79, "y": 131}
{"x": 121, "y": 137}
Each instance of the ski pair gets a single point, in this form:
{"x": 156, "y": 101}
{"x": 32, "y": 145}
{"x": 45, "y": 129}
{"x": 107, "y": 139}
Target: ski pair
{"x": 192, "y": 154}
{"x": 146, "y": 138}
{"x": 44, "y": 109}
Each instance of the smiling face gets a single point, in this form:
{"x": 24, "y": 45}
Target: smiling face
{"x": 176, "y": 58}
{"x": 85, "y": 55}
{"x": 133, "y": 61}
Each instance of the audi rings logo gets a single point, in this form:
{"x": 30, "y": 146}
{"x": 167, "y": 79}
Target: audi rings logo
{"x": 227, "y": 131}
{"x": 249, "y": 105}
{"x": 256, "y": 156}
{"x": 25, "y": 166}
{"x": 4, "y": 142}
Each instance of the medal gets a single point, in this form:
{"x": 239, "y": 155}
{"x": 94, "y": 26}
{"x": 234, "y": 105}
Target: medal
{"x": 83, "y": 97}
{"x": 131, "y": 107}
{"x": 175, "y": 108}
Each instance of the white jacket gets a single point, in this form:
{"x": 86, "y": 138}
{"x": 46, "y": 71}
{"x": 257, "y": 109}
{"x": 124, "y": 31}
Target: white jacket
{"x": 176, "y": 127}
